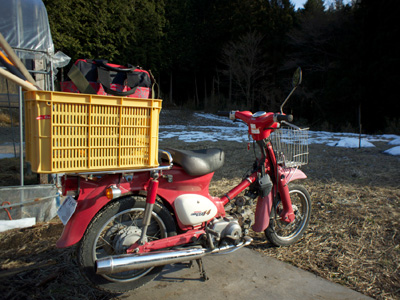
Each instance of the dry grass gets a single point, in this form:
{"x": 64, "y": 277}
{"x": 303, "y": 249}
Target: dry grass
{"x": 9, "y": 117}
{"x": 353, "y": 239}
{"x": 10, "y": 173}
{"x": 354, "y": 235}
{"x": 33, "y": 268}
{"x": 4, "y": 119}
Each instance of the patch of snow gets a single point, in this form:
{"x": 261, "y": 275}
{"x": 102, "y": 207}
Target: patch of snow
{"x": 395, "y": 142}
{"x": 390, "y": 136}
{"x": 237, "y": 131}
{"x": 351, "y": 142}
{"x": 215, "y": 117}
{"x": 393, "y": 151}
{"x": 175, "y": 127}
{"x": 6, "y": 155}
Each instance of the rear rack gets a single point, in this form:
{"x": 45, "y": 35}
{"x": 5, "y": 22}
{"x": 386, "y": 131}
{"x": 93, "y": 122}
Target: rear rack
{"x": 159, "y": 168}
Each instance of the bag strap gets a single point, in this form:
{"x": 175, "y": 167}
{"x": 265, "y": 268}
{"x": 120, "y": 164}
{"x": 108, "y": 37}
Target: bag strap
{"x": 103, "y": 63}
{"x": 105, "y": 80}
{"x": 155, "y": 84}
{"x": 80, "y": 80}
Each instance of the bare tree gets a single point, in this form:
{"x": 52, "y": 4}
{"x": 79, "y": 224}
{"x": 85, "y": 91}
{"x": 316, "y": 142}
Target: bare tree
{"x": 244, "y": 60}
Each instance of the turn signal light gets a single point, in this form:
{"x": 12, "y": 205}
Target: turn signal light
{"x": 113, "y": 192}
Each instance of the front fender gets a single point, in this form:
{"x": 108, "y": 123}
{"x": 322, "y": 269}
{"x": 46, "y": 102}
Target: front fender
{"x": 264, "y": 205}
{"x": 292, "y": 174}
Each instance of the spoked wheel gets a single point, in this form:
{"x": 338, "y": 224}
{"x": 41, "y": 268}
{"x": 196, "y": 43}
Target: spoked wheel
{"x": 112, "y": 231}
{"x": 281, "y": 233}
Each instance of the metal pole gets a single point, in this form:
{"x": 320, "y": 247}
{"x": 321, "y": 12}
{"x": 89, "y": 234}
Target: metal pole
{"x": 21, "y": 135}
{"x": 51, "y": 75}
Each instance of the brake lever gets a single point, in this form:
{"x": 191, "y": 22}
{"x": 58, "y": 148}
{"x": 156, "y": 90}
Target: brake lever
{"x": 291, "y": 125}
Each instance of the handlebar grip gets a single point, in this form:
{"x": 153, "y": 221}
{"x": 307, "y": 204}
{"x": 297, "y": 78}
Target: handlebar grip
{"x": 223, "y": 113}
{"x": 287, "y": 118}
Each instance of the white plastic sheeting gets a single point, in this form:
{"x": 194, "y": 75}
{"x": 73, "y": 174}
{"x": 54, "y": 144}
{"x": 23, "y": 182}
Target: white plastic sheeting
{"x": 12, "y": 224}
{"x": 32, "y": 201}
{"x": 24, "y": 24}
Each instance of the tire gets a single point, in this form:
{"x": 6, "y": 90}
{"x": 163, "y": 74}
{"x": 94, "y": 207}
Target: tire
{"x": 281, "y": 233}
{"x": 113, "y": 230}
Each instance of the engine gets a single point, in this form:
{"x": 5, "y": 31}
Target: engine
{"x": 230, "y": 229}
{"x": 195, "y": 209}
{"x": 225, "y": 229}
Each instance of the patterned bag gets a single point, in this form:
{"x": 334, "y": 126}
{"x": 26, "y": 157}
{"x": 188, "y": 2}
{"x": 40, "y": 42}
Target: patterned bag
{"x": 102, "y": 78}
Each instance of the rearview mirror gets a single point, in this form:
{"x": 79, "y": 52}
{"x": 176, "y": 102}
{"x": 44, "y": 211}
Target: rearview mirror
{"x": 296, "y": 80}
{"x": 297, "y": 77}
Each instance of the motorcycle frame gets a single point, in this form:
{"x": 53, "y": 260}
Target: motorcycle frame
{"x": 92, "y": 198}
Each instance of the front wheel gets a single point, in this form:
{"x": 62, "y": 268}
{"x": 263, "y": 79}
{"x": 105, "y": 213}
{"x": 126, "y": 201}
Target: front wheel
{"x": 117, "y": 226}
{"x": 281, "y": 233}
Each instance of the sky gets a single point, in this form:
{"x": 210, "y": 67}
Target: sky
{"x": 300, "y": 3}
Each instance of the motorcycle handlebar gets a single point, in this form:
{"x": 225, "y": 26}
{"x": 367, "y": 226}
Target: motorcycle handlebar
{"x": 260, "y": 124}
{"x": 278, "y": 117}
{"x": 223, "y": 113}
{"x": 287, "y": 118}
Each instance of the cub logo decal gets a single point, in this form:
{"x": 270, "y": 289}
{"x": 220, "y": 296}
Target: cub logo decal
{"x": 201, "y": 213}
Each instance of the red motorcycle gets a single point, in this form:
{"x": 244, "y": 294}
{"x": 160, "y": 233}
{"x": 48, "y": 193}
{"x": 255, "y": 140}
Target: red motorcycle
{"x": 129, "y": 224}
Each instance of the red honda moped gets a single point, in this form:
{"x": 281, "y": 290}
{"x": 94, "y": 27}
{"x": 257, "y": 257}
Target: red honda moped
{"x": 129, "y": 224}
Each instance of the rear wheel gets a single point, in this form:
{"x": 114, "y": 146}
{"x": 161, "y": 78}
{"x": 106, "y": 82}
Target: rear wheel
{"x": 281, "y": 233}
{"x": 112, "y": 231}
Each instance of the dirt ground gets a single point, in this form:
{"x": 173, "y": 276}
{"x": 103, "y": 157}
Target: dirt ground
{"x": 353, "y": 237}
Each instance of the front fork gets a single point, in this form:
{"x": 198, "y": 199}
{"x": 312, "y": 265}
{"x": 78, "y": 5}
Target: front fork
{"x": 287, "y": 214}
{"x": 269, "y": 200}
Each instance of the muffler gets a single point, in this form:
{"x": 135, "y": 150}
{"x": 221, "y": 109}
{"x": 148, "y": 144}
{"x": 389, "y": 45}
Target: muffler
{"x": 129, "y": 262}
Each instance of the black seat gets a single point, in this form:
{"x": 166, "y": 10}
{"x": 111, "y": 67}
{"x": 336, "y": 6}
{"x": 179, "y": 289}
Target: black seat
{"x": 198, "y": 162}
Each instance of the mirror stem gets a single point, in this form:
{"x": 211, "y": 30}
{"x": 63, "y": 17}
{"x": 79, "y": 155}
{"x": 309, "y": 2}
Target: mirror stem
{"x": 287, "y": 98}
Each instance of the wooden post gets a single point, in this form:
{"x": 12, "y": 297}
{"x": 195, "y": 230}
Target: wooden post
{"x": 40, "y": 78}
{"x": 359, "y": 125}
{"x": 170, "y": 89}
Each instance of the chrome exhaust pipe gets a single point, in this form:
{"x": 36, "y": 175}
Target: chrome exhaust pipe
{"x": 129, "y": 262}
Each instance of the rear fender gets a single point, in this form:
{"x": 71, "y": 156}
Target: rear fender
{"x": 88, "y": 206}
{"x": 92, "y": 198}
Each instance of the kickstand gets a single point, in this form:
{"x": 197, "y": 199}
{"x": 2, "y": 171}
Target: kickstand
{"x": 201, "y": 269}
{"x": 191, "y": 264}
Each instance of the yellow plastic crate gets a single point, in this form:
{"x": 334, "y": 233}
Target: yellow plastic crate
{"x": 76, "y": 133}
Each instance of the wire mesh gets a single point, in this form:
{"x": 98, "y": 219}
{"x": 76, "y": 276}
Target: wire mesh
{"x": 290, "y": 146}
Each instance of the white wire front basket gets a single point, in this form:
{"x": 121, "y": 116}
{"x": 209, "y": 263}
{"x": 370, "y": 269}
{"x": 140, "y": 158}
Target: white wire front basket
{"x": 291, "y": 146}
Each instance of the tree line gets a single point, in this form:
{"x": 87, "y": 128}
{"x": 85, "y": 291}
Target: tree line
{"x": 240, "y": 54}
